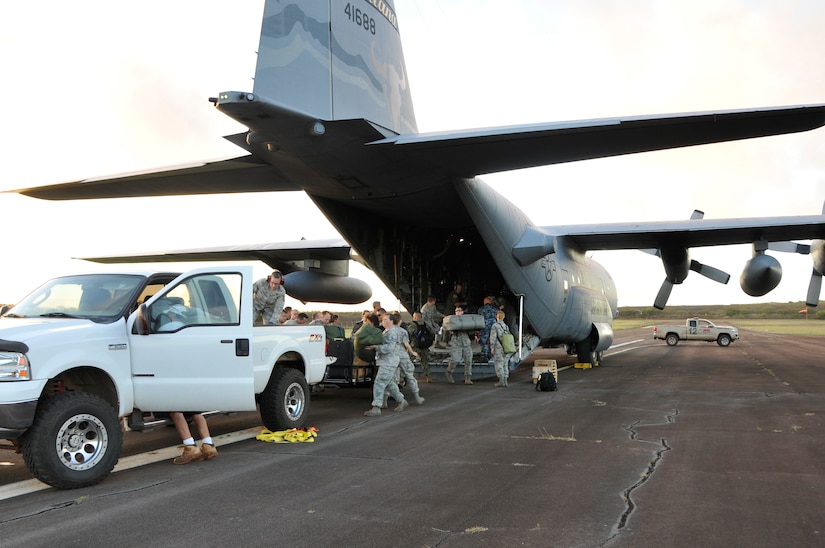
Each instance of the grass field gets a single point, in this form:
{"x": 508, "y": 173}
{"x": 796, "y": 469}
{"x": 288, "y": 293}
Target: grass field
{"x": 791, "y": 327}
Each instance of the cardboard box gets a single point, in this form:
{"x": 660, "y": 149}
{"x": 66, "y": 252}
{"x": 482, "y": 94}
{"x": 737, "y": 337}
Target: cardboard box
{"x": 540, "y": 366}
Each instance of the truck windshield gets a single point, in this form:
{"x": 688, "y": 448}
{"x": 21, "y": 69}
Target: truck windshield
{"x": 86, "y": 296}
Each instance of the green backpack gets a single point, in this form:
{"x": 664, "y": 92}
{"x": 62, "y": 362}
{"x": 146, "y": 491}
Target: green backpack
{"x": 508, "y": 343}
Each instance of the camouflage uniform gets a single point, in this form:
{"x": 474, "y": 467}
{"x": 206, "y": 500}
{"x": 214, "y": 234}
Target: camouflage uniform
{"x": 267, "y": 302}
{"x": 423, "y": 353}
{"x": 499, "y": 357}
{"x": 454, "y": 299}
{"x": 432, "y": 317}
{"x": 461, "y": 349}
{"x": 489, "y": 312}
{"x": 405, "y": 364}
{"x": 387, "y": 357}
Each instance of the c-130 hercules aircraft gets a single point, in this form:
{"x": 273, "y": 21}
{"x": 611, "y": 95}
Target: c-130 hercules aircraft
{"x": 331, "y": 114}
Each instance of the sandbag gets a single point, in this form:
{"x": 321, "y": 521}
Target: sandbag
{"x": 464, "y": 322}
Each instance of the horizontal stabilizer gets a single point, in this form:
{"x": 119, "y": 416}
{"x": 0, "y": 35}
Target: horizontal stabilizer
{"x": 489, "y": 150}
{"x": 242, "y": 174}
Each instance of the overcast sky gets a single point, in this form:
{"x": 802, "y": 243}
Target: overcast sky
{"x": 98, "y": 88}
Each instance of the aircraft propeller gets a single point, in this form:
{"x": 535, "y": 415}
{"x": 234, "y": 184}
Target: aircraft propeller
{"x": 815, "y": 285}
{"x": 818, "y": 257}
{"x": 707, "y": 271}
{"x": 677, "y": 263}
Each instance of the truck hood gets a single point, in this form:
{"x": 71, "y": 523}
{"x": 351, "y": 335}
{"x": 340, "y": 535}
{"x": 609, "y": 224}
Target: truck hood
{"x": 30, "y": 330}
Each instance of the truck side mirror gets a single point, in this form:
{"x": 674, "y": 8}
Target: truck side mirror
{"x": 142, "y": 320}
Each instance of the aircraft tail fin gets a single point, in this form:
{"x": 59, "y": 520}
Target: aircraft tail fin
{"x": 335, "y": 60}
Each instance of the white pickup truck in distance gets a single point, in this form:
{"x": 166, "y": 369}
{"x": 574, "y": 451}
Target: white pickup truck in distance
{"x": 82, "y": 351}
{"x": 696, "y": 329}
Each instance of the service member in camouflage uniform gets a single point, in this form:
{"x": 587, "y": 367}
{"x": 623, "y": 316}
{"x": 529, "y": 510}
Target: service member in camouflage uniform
{"x": 268, "y": 299}
{"x": 406, "y": 365}
{"x": 488, "y": 310}
{"x": 423, "y": 353}
{"x": 461, "y": 349}
{"x": 431, "y": 316}
{"x": 387, "y": 357}
{"x": 499, "y": 357}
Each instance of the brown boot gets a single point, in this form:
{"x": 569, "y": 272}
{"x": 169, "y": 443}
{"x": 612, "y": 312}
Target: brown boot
{"x": 467, "y": 380}
{"x": 190, "y": 453}
{"x": 208, "y": 451}
{"x": 449, "y": 376}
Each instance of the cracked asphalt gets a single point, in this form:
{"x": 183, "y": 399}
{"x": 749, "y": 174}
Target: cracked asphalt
{"x": 660, "y": 446}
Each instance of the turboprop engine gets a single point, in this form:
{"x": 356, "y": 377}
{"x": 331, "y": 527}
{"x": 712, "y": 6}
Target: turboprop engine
{"x": 761, "y": 274}
{"x": 313, "y": 286}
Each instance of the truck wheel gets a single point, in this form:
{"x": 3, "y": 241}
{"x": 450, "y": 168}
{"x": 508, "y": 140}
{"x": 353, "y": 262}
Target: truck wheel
{"x": 723, "y": 340}
{"x": 284, "y": 403}
{"x": 672, "y": 339}
{"x": 74, "y": 441}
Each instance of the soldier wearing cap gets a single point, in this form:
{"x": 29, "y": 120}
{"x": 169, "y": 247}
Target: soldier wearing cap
{"x": 268, "y": 299}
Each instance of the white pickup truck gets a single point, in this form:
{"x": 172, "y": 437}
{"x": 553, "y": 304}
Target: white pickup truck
{"x": 83, "y": 351}
{"x": 696, "y": 329}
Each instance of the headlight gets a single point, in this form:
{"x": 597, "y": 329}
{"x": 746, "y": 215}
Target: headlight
{"x": 14, "y": 366}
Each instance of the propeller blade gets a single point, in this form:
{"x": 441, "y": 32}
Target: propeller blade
{"x": 814, "y": 289}
{"x": 790, "y": 247}
{"x": 709, "y": 272}
{"x": 664, "y": 295}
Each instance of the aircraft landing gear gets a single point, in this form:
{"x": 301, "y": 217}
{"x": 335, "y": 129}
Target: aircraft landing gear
{"x": 586, "y": 358}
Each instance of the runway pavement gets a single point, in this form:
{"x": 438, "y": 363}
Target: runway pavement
{"x": 692, "y": 445}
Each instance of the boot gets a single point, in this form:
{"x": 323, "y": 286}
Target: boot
{"x": 401, "y": 406}
{"x": 467, "y": 380}
{"x": 208, "y": 451}
{"x": 374, "y": 412}
{"x": 190, "y": 453}
{"x": 449, "y": 374}
{"x": 506, "y": 382}
{"x": 418, "y": 399}
{"x": 500, "y": 383}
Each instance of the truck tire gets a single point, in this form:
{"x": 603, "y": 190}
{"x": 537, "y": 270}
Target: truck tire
{"x": 75, "y": 440}
{"x": 723, "y": 340}
{"x": 672, "y": 339}
{"x": 284, "y": 403}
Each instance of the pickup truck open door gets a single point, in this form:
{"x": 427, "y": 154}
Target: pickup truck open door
{"x": 196, "y": 333}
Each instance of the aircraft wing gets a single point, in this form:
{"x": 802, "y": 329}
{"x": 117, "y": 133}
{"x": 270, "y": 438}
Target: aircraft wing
{"x": 285, "y": 256}
{"x": 690, "y": 233}
{"x": 314, "y": 270}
